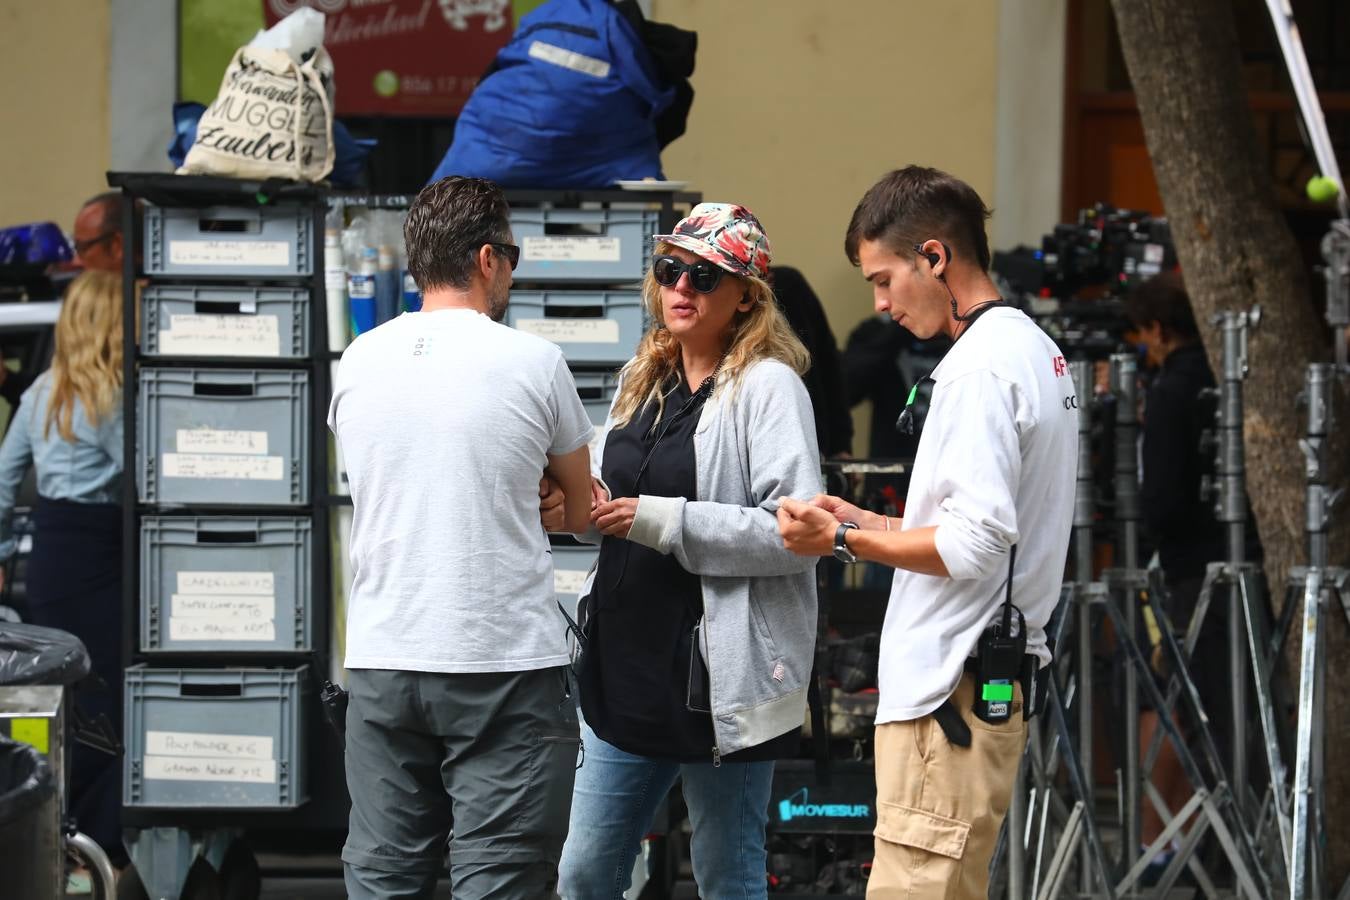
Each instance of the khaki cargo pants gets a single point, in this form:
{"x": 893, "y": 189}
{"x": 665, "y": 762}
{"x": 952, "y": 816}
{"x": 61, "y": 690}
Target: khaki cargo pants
{"x": 940, "y": 807}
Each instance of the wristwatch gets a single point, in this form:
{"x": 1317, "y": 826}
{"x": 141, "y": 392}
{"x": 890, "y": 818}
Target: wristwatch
{"x": 841, "y": 551}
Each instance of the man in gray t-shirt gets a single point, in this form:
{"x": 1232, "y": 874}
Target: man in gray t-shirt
{"x": 459, "y": 688}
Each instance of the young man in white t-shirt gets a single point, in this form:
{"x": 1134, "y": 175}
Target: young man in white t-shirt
{"x": 991, "y": 494}
{"x": 460, "y": 695}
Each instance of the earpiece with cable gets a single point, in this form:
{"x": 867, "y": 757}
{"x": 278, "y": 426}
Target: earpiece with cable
{"x": 935, "y": 258}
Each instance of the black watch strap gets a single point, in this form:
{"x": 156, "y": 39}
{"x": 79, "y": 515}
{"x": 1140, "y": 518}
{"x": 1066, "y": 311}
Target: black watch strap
{"x": 841, "y": 551}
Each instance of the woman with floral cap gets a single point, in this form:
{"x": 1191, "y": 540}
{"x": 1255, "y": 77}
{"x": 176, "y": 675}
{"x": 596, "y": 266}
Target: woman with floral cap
{"x": 698, "y": 626}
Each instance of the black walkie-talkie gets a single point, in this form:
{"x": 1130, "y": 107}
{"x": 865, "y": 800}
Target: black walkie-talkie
{"x": 998, "y": 660}
{"x": 334, "y": 700}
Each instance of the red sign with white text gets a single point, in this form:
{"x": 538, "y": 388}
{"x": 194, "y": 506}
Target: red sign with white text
{"x": 406, "y": 57}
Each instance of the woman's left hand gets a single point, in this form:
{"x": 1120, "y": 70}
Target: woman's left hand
{"x": 615, "y": 517}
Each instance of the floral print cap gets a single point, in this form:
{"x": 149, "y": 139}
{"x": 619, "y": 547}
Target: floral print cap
{"x": 724, "y": 234}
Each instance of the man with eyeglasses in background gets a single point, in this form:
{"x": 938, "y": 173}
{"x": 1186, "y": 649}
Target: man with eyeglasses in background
{"x": 97, "y": 235}
{"x": 461, "y": 698}
{"x": 97, "y": 241}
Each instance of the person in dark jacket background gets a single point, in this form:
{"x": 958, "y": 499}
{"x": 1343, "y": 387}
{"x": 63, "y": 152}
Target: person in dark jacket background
{"x": 872, "y": 371}
{"x": 1179, "y": 522}
{"x": 825, "y": 379}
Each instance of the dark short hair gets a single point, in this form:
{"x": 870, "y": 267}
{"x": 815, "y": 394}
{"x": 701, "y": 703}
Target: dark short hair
{"x": 447, "y": 224}
{"x": 111, "y": 205}
{"x": 1163, "y": 299}
{"x": 916, "y": 204}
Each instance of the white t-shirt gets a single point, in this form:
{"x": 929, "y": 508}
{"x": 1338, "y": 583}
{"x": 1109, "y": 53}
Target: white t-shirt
{"x": 996, "y": 464}
{"x": 444, "y": 419}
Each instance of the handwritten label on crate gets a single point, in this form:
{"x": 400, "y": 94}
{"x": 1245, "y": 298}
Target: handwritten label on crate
{"x": 222, "y": 617}
{"x": 211, "y": 335}
{"x": 571, "y": 249}
{"x": 221, "y": 628}
{"x": 572, "y": 331}
{"x": 568, "y": 581}
{"x": 211, "y": 440}
{"x": 229, "y": 583}
{"x": 187, "y": 768}
{"x": 230, "y": 253}
{"x": 245, "y": 608}
{"x": 223, "y": 466}
{"x": 205, "y": 744}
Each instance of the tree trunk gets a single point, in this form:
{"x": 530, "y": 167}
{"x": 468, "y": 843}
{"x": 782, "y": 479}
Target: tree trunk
{"x": 1236, "y": 250}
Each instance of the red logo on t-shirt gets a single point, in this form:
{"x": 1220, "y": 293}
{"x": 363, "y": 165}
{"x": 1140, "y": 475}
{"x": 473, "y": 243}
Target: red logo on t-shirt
{"x": 1060, "y": 366}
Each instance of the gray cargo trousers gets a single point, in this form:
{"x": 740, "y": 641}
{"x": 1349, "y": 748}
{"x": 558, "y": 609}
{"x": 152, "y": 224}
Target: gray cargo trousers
{"x": 493, "y": 753}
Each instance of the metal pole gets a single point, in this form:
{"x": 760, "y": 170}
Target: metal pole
{"x": 1336, "y": 254}
{"x": 1305, "y": 843}
{"x": 1306, "y": 869}
{"x": 1317, "y": 393}
{"x": 1300, "y": 76}
{"x": 1231, "y": 510}
{"x": 1124, "y": 370}
{"x": 1083, "y": 516}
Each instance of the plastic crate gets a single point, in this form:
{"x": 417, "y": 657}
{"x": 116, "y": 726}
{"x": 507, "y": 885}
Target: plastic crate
{"x": 591, "y": 327}
{"x": 800, "y": 804}
{"x": 216, "y": 320}
{"x": 223, "y": 436}
{"x": 571, "y": 564}
{"x": 218, "y": 583}
{"x": 599, "y": 246}
{"x": 596, "y": 390}
{"x": 262, "y": 241}
{"x": 215, "y": 738}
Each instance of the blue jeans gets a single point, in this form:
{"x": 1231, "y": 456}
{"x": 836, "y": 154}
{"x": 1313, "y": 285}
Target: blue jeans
{"x": 615, "y": 798}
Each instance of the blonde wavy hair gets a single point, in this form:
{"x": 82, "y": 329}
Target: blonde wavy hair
{"x": 87, "y": 362}
{"x": 762, "y": 332}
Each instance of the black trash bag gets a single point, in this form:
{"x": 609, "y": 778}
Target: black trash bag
{"x": 31, "y": 654}
{"x": 25, "y": 781}
{"x": 853, "y": 662}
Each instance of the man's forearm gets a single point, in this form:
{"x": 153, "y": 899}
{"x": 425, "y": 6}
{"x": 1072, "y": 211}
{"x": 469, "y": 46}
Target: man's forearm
{"x": 915, "y": 550}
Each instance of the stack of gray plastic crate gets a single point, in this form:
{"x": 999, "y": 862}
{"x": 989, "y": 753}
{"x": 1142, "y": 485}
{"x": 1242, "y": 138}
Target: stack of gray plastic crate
{"x": 579, "y": 284}
{"x": 224, "y": 431}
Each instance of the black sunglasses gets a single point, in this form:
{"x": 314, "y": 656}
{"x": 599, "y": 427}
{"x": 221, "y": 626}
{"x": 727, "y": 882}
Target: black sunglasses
{"x": 703, "y": 275}
{"x": 510, "y": 251}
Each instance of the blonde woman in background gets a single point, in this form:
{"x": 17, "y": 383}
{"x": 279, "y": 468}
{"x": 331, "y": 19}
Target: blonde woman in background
{"x": 699, "y": 626}
{"x": 69, "y": 428}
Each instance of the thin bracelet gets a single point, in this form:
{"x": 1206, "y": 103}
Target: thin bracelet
{"x": 887, "y": 520}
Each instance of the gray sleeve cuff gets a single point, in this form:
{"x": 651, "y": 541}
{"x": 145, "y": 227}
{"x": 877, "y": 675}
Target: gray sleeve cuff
{"x": 657, "y": 522}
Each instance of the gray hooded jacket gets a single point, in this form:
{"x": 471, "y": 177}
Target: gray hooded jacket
{"x": 755, "y": 442}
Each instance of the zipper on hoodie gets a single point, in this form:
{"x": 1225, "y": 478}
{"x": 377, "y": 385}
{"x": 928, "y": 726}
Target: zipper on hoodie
{"x": 707, "y": 660}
